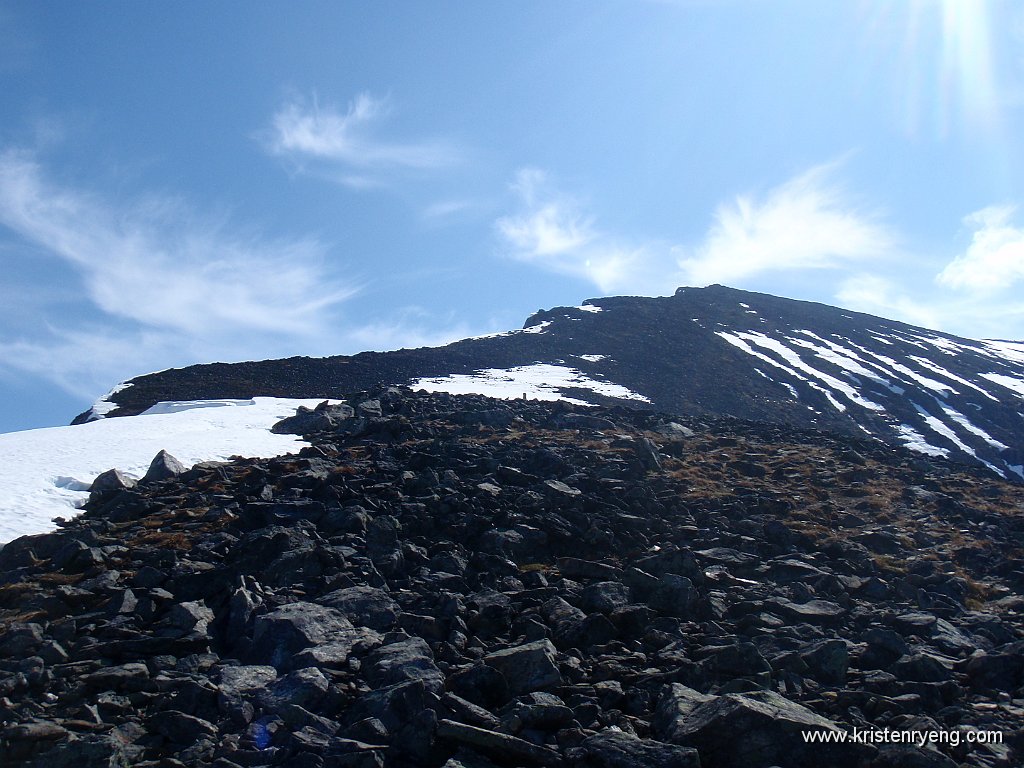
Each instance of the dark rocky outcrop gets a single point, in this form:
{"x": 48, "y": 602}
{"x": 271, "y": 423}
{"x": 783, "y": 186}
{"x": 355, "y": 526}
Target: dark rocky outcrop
{"x": 443, "y": 581}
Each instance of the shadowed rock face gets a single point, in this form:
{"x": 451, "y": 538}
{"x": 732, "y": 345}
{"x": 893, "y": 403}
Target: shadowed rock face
{"x": 444, "y": 581}
{"x": 703, "y": 351}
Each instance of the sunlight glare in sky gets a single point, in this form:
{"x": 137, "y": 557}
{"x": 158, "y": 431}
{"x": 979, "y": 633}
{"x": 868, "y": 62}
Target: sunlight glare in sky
{"x": 946, "y": 58}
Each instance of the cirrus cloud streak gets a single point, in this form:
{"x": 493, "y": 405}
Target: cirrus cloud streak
{"x": 347, "y": 145}
{"x": 157, "y": 263}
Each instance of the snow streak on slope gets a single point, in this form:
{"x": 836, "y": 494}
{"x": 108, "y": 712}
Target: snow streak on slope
{"x": 892, "y": 386}
{"x": 925, "y": 363}
{"x": 915, "y": 441}
{"x": 1012, "y": 383}
{"x": 794, "y": 360}
{"x": 45, "y": 473}
{"x": 1007, "y": 350}
{"x": 964, "y": 422}
{"x": 539, "y": 328}
{"x": 540, "y": 381}
{"x": 940, "y": 428}
{"x": 897, "y": 369}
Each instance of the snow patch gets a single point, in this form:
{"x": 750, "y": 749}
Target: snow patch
{"x": 1008, "y": 350}
{"x": 895, "y": 369}
{"x": 46, "y": 473}
{"x": 844, "y": 358}
{"x": 939, "y": 427}
{"x": 540, "y": 381}
{"x": 1014, "y": 383}
{"x": 794, "y": 360}
{"x": 926, "y": 363}
{"x": 539, "y": 328}
{"x": 589, "y": 308}
{"x": 964, "y": 422}
{"x": 177, "y": 406}
{"x": 915, "y": 441}
{"x": 103, "y": 406}
{"x": 592, "y": 358}
{"x": 944, "y": 345}
{"x": 740, "y": 344}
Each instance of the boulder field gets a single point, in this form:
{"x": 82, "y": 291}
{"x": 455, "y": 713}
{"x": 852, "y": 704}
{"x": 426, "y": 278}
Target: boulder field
{"x": 447, "y": 581}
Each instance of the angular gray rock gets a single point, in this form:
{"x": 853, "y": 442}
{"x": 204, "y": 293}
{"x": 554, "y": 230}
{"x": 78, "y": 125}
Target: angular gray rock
{"x": 400, "y": 662}
{"x": 163, "y": 467}
{"x": 285, "y": 631}
{"x": 674, "y": 596}
{"x": 238, "y": 684}
{"x": 494, "y": 743}
{"x": 322, "y": 418}
{"x": 764, "y": 729}
{"x": 828, "y": 661}
{"x": 615, "y": 749}
{"x": 112, "y": 480}
{"x": 365, "y": 606}
{"x": 302, "y": 688}
{"x": 739, "y": 660}
{"x": 528, "y": 667}
{"x": 674, "y": 708}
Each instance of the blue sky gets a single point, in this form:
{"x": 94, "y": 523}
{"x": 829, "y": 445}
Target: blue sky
{"x": 188, "y": 182}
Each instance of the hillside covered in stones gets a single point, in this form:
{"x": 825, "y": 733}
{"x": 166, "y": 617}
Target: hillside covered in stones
{"x": 462, "y": 582}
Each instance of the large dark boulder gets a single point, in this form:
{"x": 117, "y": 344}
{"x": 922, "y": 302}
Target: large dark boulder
{"x": 615, "y": 749}
{"x": 528, "y": 667}
{"x": 399, "y": 662}
{"x": 763, "y": 729}
{"x": 283, "y": 632}
{"x": 324, "y": 417}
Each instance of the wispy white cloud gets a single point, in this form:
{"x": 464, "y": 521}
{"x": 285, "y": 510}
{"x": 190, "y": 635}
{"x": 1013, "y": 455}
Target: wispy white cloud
{"x": 551, "y": 231}
{"x": 550, "y": 225}
{"x": 160, "y": 286}
{"x": 86, "y": 362}
{"x": 876, "y": 295}
{"x": 806, "y": 223}
{"x": 445, "y": 209}
{"x": 994, "y": 261}
{"x": 350, "y": 141}
{"x": 159, "y": 264}
{"x": 153, "y": 284}
{"x": 383, "y": 335}
{"x": 975, "y": 315}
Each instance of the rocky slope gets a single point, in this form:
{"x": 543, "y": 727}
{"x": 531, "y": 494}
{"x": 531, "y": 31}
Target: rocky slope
{"x": 710, "y": 351}
{"x": 467, "y": 582}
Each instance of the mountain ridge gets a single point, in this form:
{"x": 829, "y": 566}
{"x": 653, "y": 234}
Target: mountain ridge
{"x": 702, "y": 351}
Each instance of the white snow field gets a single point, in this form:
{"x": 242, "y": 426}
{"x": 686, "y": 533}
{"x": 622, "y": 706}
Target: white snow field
{"x": 46, "y": 473}
{"x": 539, "y": 381}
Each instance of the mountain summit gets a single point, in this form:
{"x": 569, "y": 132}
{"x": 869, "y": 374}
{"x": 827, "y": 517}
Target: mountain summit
{"x": 703, "y": 351}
